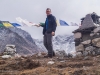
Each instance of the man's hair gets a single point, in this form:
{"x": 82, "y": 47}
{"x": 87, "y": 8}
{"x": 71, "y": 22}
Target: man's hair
{"x": 48, "y": 9}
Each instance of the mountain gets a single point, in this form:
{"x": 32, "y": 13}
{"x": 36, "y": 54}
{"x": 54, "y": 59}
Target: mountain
{"x": 60, "y": 42}
{"x": 64, "y": 42}
{"x": 23, "y": 41}
{"x": 25, "y": 44}
{"x": 23, "y": 34}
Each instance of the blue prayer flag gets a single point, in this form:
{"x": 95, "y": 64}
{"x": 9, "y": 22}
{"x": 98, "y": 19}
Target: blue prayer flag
{"x": 15, "y": 24}
{"x": 63, "y": 23}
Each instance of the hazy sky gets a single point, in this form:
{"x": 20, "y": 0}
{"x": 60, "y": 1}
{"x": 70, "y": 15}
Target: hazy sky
{"x": 34, "y": 11}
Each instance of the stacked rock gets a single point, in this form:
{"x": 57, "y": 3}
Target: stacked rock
{"x": 87, "y": 38}
{"x": 10, "y": 50}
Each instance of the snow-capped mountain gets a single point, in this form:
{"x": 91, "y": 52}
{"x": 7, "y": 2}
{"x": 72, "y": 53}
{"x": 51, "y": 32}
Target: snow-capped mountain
{"x": 39, "y": 43}
{"x": 60, "y": 42}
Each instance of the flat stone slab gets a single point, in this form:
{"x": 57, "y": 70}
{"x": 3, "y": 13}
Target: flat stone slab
{"x": 86, "y": 42}
{"x": 96, "y": 29}
{"x": 79, "y": 48}
{"x": 77, "y": 35}
{"x": 96, "y": 42}
{"x": 87, "y": 22}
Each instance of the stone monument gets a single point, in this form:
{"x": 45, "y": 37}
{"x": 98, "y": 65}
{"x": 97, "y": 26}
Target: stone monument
{"x": 87, "y": 37}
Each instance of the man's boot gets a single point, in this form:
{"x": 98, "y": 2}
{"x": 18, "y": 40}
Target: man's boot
{"x": 48, "y": 56}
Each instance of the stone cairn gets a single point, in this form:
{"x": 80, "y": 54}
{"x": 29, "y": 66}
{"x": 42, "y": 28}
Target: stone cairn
{"x": 10, "y": 50}
{"x": 87, "y": 38}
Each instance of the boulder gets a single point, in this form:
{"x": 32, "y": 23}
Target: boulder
{"x": 96, "y": 42}
{"x": 98, "y": 34}
{"x": 91, "y": 53}
{"x": 50, "y": 63}
{"x": 96, "y": 30}
{"x": 85, "y": 53}
{"x": 97, "y": 51}
{"x": 94, "y": 53}
{"x": 70, "y": 55}
{"x": 90, "y": 48}
{"x": 86, "y": 58}
{"x": 77, "y": 35}
{"x": 79, "y": 48}
{"x": 95, "y": 35}
{"x": 39, "y": 54}
{"x": 17, "y": 55}
{"x": 79, "y": 54}
{"x": 86, "y": 42}
{"x": 61, "y": 53}
{"x": 6, "y": 56}
{"x": 92, "y": 34}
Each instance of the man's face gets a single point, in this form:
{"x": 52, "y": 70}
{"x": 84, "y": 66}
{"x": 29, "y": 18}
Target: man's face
{"x": 48, "y": 12}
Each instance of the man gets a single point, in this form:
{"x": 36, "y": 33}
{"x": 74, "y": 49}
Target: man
{"x": 49, "y": 29}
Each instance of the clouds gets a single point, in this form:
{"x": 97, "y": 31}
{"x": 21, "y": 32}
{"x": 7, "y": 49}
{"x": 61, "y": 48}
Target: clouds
{"x": 37, "y": 32}
{"x": 34, "y": 10}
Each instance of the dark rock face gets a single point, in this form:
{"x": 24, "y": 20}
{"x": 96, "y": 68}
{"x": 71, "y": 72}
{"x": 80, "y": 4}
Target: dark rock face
{"x": 23, "y": 41}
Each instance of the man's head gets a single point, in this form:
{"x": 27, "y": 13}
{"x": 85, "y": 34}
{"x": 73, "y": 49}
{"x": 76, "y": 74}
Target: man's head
{"x": 48, "y": 11}
{"x": 93, "y": 13}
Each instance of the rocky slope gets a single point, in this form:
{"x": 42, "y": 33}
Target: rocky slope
{"x": 23, "y": 41}
{"x": 39, "y": 66}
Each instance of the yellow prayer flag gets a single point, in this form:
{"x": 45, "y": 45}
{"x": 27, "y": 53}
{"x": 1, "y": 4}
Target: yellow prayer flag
{"x": 6, "y": 24}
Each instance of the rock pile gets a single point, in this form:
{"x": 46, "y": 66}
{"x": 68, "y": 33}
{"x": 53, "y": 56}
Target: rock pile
{"x": 87, "y": 38}
{"x": 62, "y": 54}
{"x": 10, "y": 50}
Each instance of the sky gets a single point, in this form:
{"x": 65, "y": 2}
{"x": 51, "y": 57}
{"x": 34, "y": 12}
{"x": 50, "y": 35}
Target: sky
{"x": 34, "y": 11}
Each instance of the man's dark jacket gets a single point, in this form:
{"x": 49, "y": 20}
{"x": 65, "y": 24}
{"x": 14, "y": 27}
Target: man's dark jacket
{"x": 51, "y": 24}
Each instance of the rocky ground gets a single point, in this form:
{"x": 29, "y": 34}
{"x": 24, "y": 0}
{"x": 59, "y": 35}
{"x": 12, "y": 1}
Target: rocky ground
{"x": 39, "y": 66}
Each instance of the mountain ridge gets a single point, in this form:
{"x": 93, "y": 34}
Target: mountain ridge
{"x": 60, "y": 42}
{"x": 19, "y": 38}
